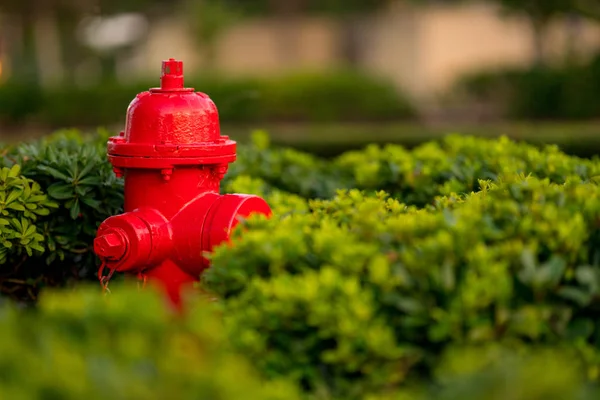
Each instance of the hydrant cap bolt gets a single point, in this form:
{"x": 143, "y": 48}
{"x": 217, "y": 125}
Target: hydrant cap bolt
{"x": 110, "y": 246}
{"x": 171, "y": 77}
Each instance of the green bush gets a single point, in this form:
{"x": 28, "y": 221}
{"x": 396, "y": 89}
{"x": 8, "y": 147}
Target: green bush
{"x": 453, "y": 270}
{"x": 74, "y": 173}
{"x": 363, "y": 293}
{"x": 22, "y": 202}
{"x": 81, "y": 345}
{"x": 19, "y": 102}
{"x": 455, "y": 164}
{"x": 60, "y": 190}
{"x": 323, "y": 97}
{"x": 564, "y": 92}
{"x": 127, "y": 345}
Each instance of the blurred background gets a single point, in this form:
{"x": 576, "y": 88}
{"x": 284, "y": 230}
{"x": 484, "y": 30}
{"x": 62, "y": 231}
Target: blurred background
{"x": 322, "y": 75}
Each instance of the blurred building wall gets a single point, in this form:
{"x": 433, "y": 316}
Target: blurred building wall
{"x": 422, "y": 50}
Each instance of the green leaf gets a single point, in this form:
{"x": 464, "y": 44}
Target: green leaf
{"x": 86, "y": 170}
{"x": 54, "y": 173}
{"x": 74, "y": 211}
{"x": 588, "y": 276}
{"x": 13, "y": 195}
{"x": 42, "y": 211}
{"x": 61, "y": 191}
{"x": 37, "y": 247}
{"x": 93, "y": 203}
{"x": 30, "y": 230}
{"x": 14, "y": 171}
{"x": 15, "y": 206}
{"x": 550, "y": 273}
{"x": 580, "y": 328}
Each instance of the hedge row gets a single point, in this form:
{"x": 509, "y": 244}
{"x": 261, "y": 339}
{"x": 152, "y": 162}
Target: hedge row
{"x": 82, "y": 191}
{"x": 465, "y": 268}
{"x": 298, "y": 97}
{"x": 565, "y": 92}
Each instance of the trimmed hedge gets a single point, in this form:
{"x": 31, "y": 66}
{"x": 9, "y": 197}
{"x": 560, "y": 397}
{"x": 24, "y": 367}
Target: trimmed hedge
{"x": 455, "y": 270}
{"x": 310, "y": 97}
{"x": 362, "y": 293}
{"x": 75, "y": 175}
{"x": 564, "y": 92}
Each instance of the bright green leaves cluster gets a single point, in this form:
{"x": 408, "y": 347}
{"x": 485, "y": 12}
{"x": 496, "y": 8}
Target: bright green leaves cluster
{"x": 81, "y": 345}
{"x": 22, "y": 203}
{"x": 456, "y": 164}
{"x": 363, "y": 283}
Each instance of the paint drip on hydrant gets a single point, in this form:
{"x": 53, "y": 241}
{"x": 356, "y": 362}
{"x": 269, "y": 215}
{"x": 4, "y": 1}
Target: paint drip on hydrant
{"x": 172, "y": 157}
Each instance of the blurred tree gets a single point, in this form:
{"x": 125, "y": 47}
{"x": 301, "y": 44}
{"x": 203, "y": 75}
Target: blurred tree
{"x": 207, "y": 20}
{"x": 288, "y": 13}
{"x": 24, "y": 59}
{"x": 540, "y": 13}
{"x": 107, "y": 58}
{"x": 351, "y": 13}
{"x": 29, "y": 14}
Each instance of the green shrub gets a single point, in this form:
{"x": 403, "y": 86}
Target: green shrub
{"x": 81, "y": 192}
{"x": 19, "y": 102}
{"x": 286, "y": 169}
{"x": 450, "y": 271}
{"x": 322, "y": 97}
{"x": 22, "y": 203}
{"x": 81, "y": 345}
{"x": 540, "y": 93}
{"x": 455, "y": 164}
{"x": 127, "y": 345}
{"x": 493, "y": 372}
{"x": 74, "y": 173}
{"x": 364, "y": 293}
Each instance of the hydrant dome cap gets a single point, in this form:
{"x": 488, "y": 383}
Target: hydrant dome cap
{"x": 171, "y": 125}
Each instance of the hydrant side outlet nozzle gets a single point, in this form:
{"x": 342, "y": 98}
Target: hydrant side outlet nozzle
{"x": 172, "y": 157}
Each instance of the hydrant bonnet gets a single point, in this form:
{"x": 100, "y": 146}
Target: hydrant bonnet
{"x": 171, "y": 125}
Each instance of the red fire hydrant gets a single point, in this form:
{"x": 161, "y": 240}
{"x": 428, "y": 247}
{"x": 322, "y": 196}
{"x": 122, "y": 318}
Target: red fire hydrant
{"x": 173, "y": 158}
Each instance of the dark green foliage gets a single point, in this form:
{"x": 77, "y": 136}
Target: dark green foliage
{"x": 286, "y": 169}
{"x": 76, "y": 177}
{"x": 19, "y": 101}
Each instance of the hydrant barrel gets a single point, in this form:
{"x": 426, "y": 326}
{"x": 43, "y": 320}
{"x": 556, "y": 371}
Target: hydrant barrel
{"x": 172, "y": 156}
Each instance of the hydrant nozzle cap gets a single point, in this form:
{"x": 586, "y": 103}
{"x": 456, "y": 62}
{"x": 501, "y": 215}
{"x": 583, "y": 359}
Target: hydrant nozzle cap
{"x": 171, "y": 77}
